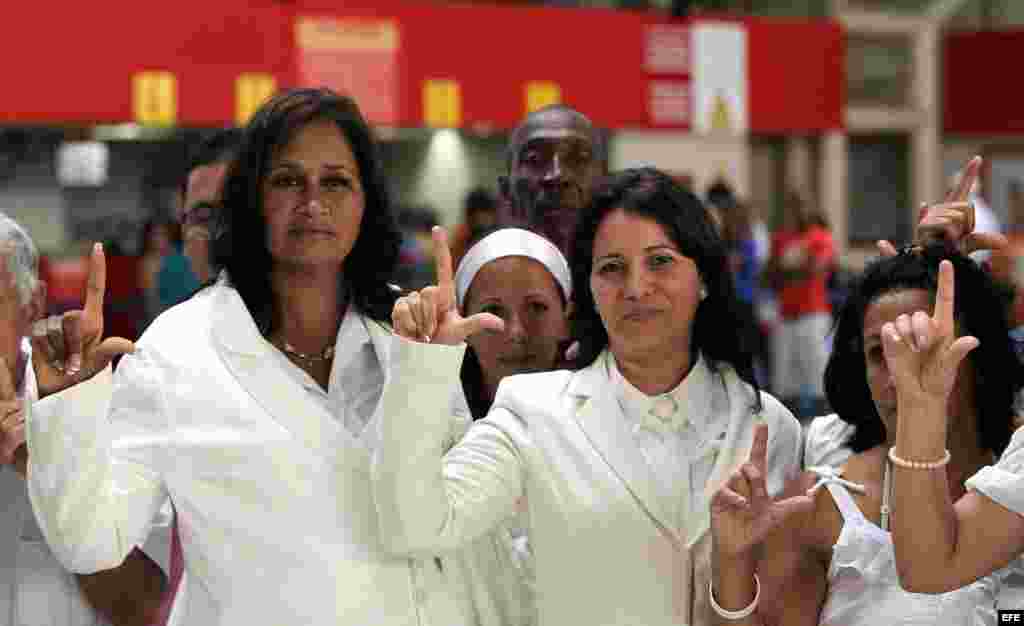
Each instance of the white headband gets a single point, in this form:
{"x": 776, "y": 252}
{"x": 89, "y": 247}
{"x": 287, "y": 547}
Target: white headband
{"x": 511, "y": 242}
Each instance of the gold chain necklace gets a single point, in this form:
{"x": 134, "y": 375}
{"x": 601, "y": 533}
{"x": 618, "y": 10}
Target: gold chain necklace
{"x": 325, "y": 355}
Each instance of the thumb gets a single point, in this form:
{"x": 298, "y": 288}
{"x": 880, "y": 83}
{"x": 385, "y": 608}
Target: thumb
{"x": 73, "y": 323}
{"x": 106, "y": 351}
{"x": 481, "y": 322}
{"x": 787, "y": 507}
{"x": 957, "y": 352}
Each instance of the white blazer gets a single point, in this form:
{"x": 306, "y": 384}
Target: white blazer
{"x": 272, "y": 493}
{"x": 606, "y": 551}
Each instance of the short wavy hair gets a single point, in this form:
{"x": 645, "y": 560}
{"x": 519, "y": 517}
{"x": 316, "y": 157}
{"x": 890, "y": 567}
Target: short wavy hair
{"x": 979, "y": 308}
{"x": 240, "y": 243}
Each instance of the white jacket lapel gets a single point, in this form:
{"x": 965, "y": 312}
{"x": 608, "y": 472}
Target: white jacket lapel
{"x": 247, "y": 356}
{"x": 601, "y": 418}
{"x": 734, "y": 398}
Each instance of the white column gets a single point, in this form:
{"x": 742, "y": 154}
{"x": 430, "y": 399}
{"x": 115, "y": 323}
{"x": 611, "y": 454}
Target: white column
{"x": 833, "y": 176}
{"x": 926, "y": 152}
{"x": 800, "y": 168}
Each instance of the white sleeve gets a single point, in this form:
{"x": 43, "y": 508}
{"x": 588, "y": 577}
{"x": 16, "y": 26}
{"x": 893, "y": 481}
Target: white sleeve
{"x": 92, "y": 479}
{"x": 1004, "y": 481}
{"x": 826, "y": 442}
{"x": 784, "y": 445}
{"x": 429, "y": 502}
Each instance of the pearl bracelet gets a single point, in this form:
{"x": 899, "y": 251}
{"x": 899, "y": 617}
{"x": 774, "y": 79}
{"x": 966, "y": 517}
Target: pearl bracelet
{"x": 742, "y": 613}
{"x": 923, "y": 465}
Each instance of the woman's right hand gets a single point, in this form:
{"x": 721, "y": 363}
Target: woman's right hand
{"x": 430, "y": 315}
{"x": 952, "y": 220}
{"x": 742, "y": 512}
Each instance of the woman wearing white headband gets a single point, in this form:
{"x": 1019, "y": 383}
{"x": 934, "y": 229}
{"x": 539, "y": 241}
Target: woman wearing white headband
{"x": 522, "y": 278}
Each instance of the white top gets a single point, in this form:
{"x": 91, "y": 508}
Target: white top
{"x": 677, "y": 432}
{"x": 825, "y": 441}
{"x": 1004, "y": 481}
{"x": 34, "y": 588}
{"x": 864, "y": 588}
{"x": 277, "y": 520}
{"x": 356, "y": 379}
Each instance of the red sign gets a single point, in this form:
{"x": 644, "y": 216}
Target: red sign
{"x": 667, "y": 69}
{"x": 356, "y": 56}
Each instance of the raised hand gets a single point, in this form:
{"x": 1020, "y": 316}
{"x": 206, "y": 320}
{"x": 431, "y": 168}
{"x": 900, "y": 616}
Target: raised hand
{"x": 742, "y": 512}
{"x": 430, "y": 315}
{"x": 70, "y": 348}
{"x": 12, "y": 422}
{"x": 952, "y": 220}
{"x": 922, "y": 351}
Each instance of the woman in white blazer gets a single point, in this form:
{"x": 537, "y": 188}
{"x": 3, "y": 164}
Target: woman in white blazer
{"x": 616, "y": 458}
{"x": 251, "y": 405}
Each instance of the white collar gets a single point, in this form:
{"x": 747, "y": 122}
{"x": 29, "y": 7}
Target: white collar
{"x": 691, "y": 397}
{"x": 352, "y": 335}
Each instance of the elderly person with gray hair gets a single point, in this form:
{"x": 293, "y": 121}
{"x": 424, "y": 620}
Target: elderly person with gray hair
{"x": 34, "y": 588}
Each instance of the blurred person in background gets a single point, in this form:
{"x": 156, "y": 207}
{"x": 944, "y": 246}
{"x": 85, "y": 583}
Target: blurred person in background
{"x": 738, "y": 236}
{"x": 802, "y": 258}
{"x": 124, "y": 311}
{"x": 35, "y": 366}
{"x": 415, "y": 267}
{"x": 200, "y": 198}
{"x": 158, "y": 242}
{"x": 480, "y": 215}
{"x": 554, "y": 157}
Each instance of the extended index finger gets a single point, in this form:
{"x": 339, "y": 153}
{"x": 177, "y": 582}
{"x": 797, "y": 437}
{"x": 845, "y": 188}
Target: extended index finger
{"x": 6, "y": 384}
{"x": 443, "y": 263}
{"x": 97, "y": 284}
{"x": 968, "y": 177}
{"x": 759, "y": 447}
{"x": 944, "y": 299}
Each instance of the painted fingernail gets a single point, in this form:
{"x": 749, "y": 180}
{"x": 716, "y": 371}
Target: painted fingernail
{"x": 426, "y": 338}
{"x": 74, "y": 364}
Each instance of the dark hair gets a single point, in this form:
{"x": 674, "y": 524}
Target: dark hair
{"x": 219, "y": 147}
{"x": 240, "y": 244}
{"x": 516, "y": 138}
{"x": 720, "y": 194}
{"x": 980, "y": 311}
{"x": 649, "y": 193}
{"x": 478, "y": 200}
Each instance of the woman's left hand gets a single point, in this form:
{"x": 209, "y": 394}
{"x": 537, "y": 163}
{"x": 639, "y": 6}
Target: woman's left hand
{"x": 430, "y": 315}
{"x": 922, "y": 351}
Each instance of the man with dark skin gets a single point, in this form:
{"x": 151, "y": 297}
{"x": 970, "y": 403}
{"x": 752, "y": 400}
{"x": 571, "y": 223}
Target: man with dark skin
{"x": 554, "y": 157}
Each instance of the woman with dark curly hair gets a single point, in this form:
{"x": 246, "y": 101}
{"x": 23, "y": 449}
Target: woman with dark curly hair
{"x": 614, "y": 458}
{"x": 250, "y": 406}
{"x": 833, "y": 562}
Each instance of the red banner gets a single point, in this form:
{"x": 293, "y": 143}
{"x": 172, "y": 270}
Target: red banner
{"x": 974, "y": 104}
{"x": 483, "y": 65}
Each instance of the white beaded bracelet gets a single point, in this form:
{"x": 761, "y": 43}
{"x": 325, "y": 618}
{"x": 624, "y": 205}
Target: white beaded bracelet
{"x": 742, "y": 613}
{"x": 922, "y": 465}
